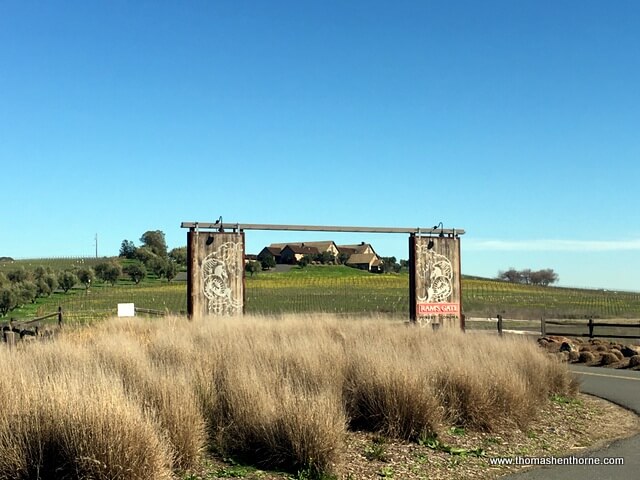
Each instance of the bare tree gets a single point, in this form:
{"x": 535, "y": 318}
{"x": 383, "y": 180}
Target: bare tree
{"x": 527, "y": 276}
{"x": 512, "y": 275}
{"x": 544, "y": 277}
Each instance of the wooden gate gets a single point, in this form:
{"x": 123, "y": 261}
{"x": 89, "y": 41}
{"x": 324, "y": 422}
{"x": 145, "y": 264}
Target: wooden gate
{"x": 216, "y": 268}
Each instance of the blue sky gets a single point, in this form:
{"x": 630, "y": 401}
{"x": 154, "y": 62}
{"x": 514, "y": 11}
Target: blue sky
{"x": 518, "y": 121}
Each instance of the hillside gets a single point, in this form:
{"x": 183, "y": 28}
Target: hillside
{"x": 348, "y": 290}
{"x": 335, "y": 289}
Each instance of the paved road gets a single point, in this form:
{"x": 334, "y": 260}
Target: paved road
{"x": 621, "y": 387}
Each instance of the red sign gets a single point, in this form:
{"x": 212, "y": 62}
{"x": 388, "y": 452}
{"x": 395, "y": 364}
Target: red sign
{"x": 438, "y": 309}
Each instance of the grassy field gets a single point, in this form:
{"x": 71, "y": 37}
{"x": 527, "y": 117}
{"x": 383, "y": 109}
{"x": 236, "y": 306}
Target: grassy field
{"x": 337, "y": 290}
{"x": 345, "y": 290}
{"x": 135, "y": 399}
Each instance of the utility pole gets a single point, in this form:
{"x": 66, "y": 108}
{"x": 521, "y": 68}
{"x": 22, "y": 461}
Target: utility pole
{"x": 96, "y": 245}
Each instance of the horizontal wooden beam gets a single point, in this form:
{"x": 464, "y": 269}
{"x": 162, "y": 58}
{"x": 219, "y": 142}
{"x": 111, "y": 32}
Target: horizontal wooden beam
{"x": 321, "y": 228}
{"x": 564, "y": 334}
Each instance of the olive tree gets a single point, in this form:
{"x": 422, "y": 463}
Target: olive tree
{"x": 8, "y": 300}
{"x": 158, "y": 265}
{"x": 51, "y": 280}
{"x": 136, "y": 272}
{"x": 67, "y": 280}
{"x": 267, "y": 261}
{"x": 252, "y": 267}
{"x": 18, "y": 275}
{"x": 179, "y": 255}
{"x": 171, "y": 270}
{"x": 27, "y": 292}
{"x": 86, "y": 276}
{"x": 108, "y": 271}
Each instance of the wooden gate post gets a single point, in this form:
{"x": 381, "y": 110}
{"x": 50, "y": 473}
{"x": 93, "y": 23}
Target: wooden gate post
{"x": 215, "y": 273}
{"x": 413, "y": 316}
{"x": 435, "y": 288}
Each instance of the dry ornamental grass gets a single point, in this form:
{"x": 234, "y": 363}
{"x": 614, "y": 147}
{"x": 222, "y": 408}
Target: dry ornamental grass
{"x": 136, "y": 399}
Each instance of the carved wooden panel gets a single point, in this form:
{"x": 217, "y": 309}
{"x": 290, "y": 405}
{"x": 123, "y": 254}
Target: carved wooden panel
{"x": 215, "y": 273}
{"x": 436, "y": 280}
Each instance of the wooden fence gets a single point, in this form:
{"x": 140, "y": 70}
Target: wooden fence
{"x": 591, "y": 326}
{"x": 13, "y": 329}
{"x": 150, "y": 311}
{"x": 572, "y": 328}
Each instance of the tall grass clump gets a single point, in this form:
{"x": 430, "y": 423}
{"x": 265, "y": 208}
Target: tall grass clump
{"x": 276, "y": 401}
{"x": 488, "y": 382}
{"x": 166, "y": 394}
{"x": 406, "y": 381}
{"x": 387, "y": 388}
{"x": 63, "y": 427}
{"x": 262, "y": 387}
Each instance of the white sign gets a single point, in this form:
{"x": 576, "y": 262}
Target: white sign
{"x": 126, "y": 310}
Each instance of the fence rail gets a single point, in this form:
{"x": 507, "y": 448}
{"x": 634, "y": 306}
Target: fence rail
{"x": 57, "y": 314}
{"x": 591, "y": 325}
{"x": 151, "y": 311}
{"x": 574, "y": 328}
{"x": 27, "y": 328}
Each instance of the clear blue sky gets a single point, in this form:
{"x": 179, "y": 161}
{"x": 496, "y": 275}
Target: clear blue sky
{"x": 518, "y": 121}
